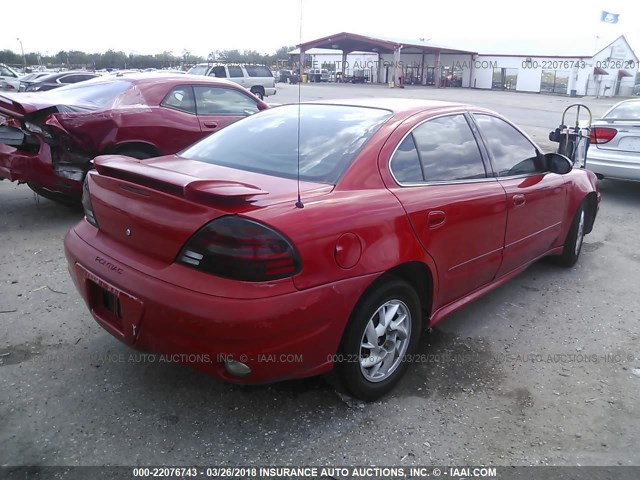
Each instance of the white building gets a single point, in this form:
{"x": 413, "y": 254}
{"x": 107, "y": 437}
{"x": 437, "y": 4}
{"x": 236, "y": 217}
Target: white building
{"x": 611, "y": 71}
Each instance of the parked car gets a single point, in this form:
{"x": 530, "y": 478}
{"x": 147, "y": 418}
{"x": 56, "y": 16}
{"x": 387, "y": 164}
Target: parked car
{"x": 258, "y": 79}
{"x": 280, "y": 249}
{"x": 29, "y": 78}
{"x": 49, "y": 138}
{"x": 284, "y": 76}
{"x": 8, "y": 78}
{"x": 58, "y": 79}
{"x": 319, "y": 75}
{"x": 615, "y": 142}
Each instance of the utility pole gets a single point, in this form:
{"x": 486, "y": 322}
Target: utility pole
{"x": 24, "y": 58}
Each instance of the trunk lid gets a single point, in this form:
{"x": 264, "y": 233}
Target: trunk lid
{"x": 154, "y": 206}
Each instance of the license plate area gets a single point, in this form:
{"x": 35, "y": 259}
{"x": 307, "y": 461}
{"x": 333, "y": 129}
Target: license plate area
{"x": 106, "y": 304}
{"x": 119, "y": 312}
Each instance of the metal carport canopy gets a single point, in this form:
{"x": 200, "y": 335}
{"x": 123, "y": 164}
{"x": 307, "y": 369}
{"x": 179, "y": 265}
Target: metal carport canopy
{"x": 351, "y": 42}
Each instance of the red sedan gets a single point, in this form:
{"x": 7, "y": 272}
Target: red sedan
{"x": 321, "y": 236}
{"x": 48, "y": 139}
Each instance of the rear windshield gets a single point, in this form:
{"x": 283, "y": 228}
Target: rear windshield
{"x": 625, "y": 111}
{"x": 330, "y": 138}
{"x": 198, "y": 70}
{"x": 92, "y": 94}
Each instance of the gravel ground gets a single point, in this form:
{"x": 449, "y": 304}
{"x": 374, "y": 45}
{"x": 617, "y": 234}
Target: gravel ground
{"x": 544, "y": 370}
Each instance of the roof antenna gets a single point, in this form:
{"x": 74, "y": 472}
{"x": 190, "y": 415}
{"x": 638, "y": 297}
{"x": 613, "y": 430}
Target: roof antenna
{"x": 299, "y": 203}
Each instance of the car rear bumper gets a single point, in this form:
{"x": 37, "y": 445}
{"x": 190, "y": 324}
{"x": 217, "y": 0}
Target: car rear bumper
{"x": 269, "y": 91}
{"x": 36, "y": 168}
{"x": 280, "y": 337}
{"x": 614, "y": 164}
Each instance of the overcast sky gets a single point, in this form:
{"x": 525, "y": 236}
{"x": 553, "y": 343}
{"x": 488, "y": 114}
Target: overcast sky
{"x": 487, "y": 26}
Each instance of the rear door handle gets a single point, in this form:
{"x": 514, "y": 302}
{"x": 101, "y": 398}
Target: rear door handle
{"x": 211, "y": 124}
{"x": 519, "y": 200}
{"x": 436, "y": 218}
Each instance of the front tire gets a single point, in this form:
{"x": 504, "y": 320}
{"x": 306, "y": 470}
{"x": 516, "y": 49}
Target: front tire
{"x": 574, "y": 240}
{"x": 382, "y": 330}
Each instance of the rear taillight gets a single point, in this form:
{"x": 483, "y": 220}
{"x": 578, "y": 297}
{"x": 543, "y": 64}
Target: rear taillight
{"x": 601, "y": 135}
{"x": 241, "y": 249}
{"x": 86, "y": 203}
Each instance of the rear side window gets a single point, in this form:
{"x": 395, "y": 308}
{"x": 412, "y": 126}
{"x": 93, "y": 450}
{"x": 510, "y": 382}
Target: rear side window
{"x": 405, "y": 163}
{"x": 258, "y": 71}
{"x": 448, "y": 150}
{"x": 331, "y": 137}
{"x": 223, "y": 101}
{"x": 72, "y": 78}
{"x": 180, "y": 98}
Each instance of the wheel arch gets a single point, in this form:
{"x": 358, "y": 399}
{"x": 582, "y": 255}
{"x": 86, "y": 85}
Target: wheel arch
{"x": 591, "y": 204}
{"x": 417, "y": 274}
{"x": 142, "y": 146}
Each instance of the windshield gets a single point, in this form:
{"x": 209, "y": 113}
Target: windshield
{"x": 91, "y": 94}
{"x": 330, "y": 138}
{"x": 198, "y": 70}
{"x": 625, "y": 111}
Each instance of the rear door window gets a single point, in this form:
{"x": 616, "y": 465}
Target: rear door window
{"x": 448, "y": 150}
{"x": 235, "y": 71}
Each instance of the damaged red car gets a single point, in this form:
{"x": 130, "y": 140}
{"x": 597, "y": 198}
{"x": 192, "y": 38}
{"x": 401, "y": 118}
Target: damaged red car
{"x": 329, "y": 240}
{"x": 48, "y": 139}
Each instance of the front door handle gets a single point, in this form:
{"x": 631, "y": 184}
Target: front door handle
{"x": 211, "y": 124}
{"x": 436, "y": 218}
{"x": 519, "y": 200}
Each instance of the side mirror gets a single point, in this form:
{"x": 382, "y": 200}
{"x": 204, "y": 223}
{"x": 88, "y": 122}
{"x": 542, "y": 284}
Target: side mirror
{"x": 558, "y": 163}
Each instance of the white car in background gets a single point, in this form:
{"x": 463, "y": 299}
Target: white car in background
{"x": 615, "y": 143}
{"x": 258, "y": 79}
{"x": 8, "y": 78}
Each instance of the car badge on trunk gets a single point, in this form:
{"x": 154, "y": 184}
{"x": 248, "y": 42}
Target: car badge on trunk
{"x": 127, "y": 232}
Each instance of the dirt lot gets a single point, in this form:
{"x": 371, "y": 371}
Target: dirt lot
{"x": 544, "y": 370}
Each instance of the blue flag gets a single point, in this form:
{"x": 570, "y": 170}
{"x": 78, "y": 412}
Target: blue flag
{"x": 608, "y": 17}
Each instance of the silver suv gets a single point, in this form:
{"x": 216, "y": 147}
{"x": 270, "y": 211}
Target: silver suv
{"x": 256, "y": 78}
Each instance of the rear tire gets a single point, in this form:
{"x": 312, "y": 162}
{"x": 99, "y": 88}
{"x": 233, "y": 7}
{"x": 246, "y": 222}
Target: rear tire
{"x": 383, "y": 329}
{"x": 258, "y": 93}
{"x": 574, "y": 240}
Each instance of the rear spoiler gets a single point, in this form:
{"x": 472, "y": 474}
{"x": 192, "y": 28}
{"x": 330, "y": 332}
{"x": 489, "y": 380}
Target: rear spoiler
{"x": 12, "y": 108}
{"x": 174, "y": 183}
